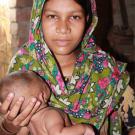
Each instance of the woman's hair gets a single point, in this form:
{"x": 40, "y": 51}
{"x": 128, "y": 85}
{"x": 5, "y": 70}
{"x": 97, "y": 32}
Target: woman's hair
{"x": 86, "y": 5}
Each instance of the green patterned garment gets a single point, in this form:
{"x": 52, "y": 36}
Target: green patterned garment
{"x": 97, "y": 84}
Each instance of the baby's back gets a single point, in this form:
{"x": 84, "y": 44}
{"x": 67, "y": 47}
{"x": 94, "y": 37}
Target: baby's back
{"x": 46, "y": 119}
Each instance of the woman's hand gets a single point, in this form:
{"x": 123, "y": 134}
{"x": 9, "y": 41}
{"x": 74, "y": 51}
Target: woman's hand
{"x": 13, "y": 118}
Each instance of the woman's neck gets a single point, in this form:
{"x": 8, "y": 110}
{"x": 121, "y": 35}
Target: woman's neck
{"x": 66, "y": 59}
{"x": 67, "y": 62}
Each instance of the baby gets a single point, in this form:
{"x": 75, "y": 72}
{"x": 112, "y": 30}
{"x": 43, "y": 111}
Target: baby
{"x": 47, "y": 120}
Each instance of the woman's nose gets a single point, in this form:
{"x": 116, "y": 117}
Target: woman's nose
{"x": 63, "y": 27}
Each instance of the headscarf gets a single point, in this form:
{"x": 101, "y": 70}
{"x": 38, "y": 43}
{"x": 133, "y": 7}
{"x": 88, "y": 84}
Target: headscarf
{"x": 97, "y": 82}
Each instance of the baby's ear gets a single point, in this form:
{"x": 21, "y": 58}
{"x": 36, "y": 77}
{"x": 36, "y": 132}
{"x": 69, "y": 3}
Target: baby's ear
{"x": 40, "y": 96}
{"x": 43, "y": 97}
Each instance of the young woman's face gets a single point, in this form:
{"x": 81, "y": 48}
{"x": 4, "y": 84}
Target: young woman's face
{"x": 63, "y": 24}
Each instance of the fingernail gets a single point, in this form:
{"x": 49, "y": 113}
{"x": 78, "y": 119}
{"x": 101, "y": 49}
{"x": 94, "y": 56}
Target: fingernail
{"x": 33, "y": 100}
{"x": 38, "y": 102}
{"x": 10, "y": 94}
{"x": 21, "y": 99}
{"x": 41, "y": 94}
{"x": 45, "y": 100}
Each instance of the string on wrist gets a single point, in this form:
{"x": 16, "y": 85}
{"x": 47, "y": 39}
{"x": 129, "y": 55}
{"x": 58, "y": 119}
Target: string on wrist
{"x": 3, "y": 128}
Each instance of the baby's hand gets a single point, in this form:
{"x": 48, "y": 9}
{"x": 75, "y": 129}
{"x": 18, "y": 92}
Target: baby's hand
{"x": 89, "y": 130}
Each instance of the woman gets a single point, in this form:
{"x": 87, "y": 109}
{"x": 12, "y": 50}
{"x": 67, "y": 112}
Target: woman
{"x": 86, "y": 83}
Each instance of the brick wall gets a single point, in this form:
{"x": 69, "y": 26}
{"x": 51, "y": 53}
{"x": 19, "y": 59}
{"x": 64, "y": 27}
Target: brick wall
{"x": 19, "y": 16}
{"x": 5, "y": 39}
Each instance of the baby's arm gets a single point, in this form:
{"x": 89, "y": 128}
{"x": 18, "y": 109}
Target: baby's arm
{"x": 55, "y": 124}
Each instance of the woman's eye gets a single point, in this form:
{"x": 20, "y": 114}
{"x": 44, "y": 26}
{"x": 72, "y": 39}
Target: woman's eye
{"x": 51, "y": 16}
{"x": 75, "y": 17}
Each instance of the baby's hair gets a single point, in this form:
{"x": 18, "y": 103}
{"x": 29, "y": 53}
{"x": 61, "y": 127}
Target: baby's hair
{"x": 20, "y": 79}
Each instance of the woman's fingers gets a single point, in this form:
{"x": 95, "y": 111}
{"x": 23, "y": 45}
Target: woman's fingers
{"x": 5, "y": 105}
{"x": 15, "y": 109}
{"x": 14, "y": 119}
{"x": 24, "y": 114}
{"x": 36, "y": 107}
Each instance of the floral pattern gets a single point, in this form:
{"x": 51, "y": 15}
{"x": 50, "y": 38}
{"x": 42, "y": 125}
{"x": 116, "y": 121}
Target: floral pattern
{"x": 98, "y": 82}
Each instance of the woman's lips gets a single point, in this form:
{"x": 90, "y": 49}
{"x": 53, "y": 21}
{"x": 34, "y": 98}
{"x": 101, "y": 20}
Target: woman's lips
{"x": 62, "y": 42}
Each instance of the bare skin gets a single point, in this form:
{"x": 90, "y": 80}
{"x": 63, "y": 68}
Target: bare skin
{"x": 54, "y": 121}
{"x": 132, "y": 132}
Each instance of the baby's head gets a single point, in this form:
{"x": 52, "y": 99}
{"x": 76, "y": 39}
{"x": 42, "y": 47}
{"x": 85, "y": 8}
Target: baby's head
{"x": 27, "y": 84}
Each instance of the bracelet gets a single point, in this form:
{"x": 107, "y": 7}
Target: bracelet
{"x": 5, "y": 130}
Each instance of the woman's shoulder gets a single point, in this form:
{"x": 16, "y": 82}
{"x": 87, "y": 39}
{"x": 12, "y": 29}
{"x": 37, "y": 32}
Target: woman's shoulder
{"x": 24, "y": 49}
{"x": 107, "y": 70}
{"x": 103, "y": 60}
{"x": 24, "y": 59}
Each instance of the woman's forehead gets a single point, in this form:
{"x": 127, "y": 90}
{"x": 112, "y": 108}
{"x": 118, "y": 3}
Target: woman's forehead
{"x": 62, "y": 6}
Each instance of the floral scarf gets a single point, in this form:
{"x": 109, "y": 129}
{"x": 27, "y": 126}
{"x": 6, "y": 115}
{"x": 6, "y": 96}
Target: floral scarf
{"x": 97, "y": 82}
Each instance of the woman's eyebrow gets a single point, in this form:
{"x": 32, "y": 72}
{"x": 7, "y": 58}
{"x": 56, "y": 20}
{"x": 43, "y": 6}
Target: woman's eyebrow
{"x": 50, "y": 10}
{"x": 55, "y": 11}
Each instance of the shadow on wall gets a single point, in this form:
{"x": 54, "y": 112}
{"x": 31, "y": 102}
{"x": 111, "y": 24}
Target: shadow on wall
{"x": 105, "y": 22}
